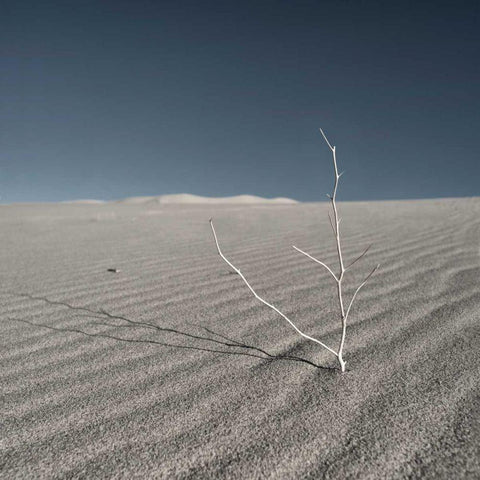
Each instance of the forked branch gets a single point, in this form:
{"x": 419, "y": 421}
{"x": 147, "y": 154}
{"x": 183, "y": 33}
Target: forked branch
{"x": 336, "y": 230}
{"x": 359, "y": 287}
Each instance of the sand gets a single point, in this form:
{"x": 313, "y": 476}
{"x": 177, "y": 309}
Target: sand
{"x": 170, "y": 368}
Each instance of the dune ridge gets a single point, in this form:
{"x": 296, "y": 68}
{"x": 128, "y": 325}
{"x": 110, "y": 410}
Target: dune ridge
{"x": 171, "y": 369}
{"x": 188, "y": 198}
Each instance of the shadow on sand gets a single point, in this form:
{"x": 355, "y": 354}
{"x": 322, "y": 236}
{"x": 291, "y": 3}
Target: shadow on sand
{"x": 234, "y": 347}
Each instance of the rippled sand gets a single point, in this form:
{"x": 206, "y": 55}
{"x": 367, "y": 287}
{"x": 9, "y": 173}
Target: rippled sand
{"x": 170, "y": 368}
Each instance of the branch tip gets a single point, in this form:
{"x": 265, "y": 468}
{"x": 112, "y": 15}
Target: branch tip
{"x": 325, "y": 137}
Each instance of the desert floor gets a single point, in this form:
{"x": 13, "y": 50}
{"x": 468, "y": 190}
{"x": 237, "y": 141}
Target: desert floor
{"x": 170, "y": 368}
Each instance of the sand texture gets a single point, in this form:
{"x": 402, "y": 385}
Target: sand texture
{"x": 170, "y": 368}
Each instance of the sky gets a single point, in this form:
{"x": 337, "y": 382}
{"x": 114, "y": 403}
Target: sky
{"x": 111, "y": 99}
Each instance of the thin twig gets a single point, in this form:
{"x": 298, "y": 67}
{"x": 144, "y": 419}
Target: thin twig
{"x": 358, "y": 258}
{"x": 261, "y": 299}
{"x": 318, "y": 261}
{"x": 359, "y": 287}
{"x": 328, "y": 143}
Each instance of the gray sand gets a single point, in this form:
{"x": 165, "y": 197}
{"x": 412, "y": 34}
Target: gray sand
{"x": 171, "y": 369}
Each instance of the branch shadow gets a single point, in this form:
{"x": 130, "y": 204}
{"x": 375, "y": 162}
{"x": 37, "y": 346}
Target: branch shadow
{"x": 246, "y": 349}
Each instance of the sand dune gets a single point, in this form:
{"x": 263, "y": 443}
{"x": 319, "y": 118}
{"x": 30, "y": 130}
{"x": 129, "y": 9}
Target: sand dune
{"x": 171, "y": 369}
{"x": 187, "y": 198}
{"x": 86, "y": 201}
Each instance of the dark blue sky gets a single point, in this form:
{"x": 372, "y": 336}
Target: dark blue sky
{"x": 108, "y": 99}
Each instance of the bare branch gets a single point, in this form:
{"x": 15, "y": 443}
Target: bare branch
{"x": 358, "y": 258}
{"x": 335, "y": 212}
{"x": 335, "y": 224}
{"x": 261, "y": 299}
{"x": 358, "y": 289}
{"x": 328, "y": 143}
{"x": 318, "y": 261}
{"x": 339, "y": 252}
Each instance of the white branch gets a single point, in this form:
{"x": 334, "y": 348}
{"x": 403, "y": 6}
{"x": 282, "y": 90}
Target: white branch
{"x": 318, "y": 261}
{"x": 336, "y": 218}
{"x": 261, "y": 299}
{"x": 328, "y": 143}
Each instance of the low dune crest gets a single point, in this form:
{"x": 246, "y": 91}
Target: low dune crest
{"x": 182, "y": 198}
{"x": 85, "y": 201}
